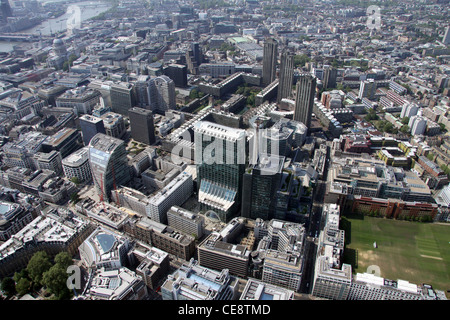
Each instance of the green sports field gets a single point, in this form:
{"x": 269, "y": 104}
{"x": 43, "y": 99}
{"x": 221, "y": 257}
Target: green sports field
{"x": 412, "y": 251}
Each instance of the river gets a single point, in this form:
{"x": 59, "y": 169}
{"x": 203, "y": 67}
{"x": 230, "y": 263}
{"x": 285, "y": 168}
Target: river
{"x": 88, "y": 9}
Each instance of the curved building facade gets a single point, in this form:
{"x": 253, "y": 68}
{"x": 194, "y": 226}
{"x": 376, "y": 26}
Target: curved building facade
{"x": 108, "y": 161}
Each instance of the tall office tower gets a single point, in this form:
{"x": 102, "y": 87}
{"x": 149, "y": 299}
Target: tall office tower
{"x": 332, "y": 278}
{"x": 367, "y": 89}
{"x": 162, "y": 94}
{"x": 109, "y": 164}
{"x": 260, "y": 183}
{"x": 192, "y": 65}
{"x": 197, "y": 52}
{"x": 194, "y": 57}
{"x": 178, "y": 73}
{"x": 90, "y": 126}
{"x": 446, "y": 38}
{"x": 329, "y": 77}
{"x": 122, "y": 97}
{"x": 270, "y": 56}
{"x": 286, "y": 76}
{"x": 304, "y": 99}
{"x": 142, "y": 91}
{"x": 5, "y": 9}
{"x": 220, "y": 158}
{"x": 142, "y": 127}
{"x": 417, "y": 124}
{"x": 409, "y": 110}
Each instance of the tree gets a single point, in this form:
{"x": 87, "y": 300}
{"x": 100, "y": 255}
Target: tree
{"x": 388, "y": 127}
{"x": 194, "y": 94}
{"x": 404, "y": 129}
{"x": 72, "y": 58}
{"x": 75, "y": 180}
{"x": 371, "y": 115}
{"x": 37, "y": 265}
{"x": 405, "y": 120}
{"x": 251, "y": 99}
{"x": 21, "y": 274}
{"x": 65, "y": 66}
{"x": 301, "y": 60}
{"x": 55, "y": 280}
{"x": 23, "y": 286}
{"x": 8, "y": 286}
{"x": 63, "y": 259}
{"x": 74, "y": 197}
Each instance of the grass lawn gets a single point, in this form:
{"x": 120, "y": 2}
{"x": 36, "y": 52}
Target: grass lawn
{"x": 412, "y": 251}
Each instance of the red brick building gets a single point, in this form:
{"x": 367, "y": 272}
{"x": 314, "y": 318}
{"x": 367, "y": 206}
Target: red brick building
{"x": 393, "y": 208}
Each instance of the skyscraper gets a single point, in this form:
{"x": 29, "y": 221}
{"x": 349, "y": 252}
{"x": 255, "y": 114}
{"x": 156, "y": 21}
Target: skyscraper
{"x": 446, "y": 38}
{"x": 329, "y": 77}
{"x": 122, "y": 97}
{"x": 142, "y": 91}
{"x": 5, "y": 9}
{"x": 367, "y": 89}
{"x": 197, "y": 52}
{"x": 155, "y": 93}
{"x": 286, "y": 76}
{"x": 162, "y": 94}
{"x": 142, "y": 127}
{"x": 178, "y": 73}
{"x": 260, "y": 183}
{"x": 109, "y": 164}
{"x": 270, "y": 56}
{"x": 90, "y": 126}
{"x": 220, "y": 159}
{"x": 304, "y": 99}
{"x": 332, "y": 278}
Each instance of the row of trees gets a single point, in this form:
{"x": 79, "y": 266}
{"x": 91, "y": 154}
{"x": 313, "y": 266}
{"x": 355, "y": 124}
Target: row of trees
{"x": 41, "y": 273}
{"x": 376, "y": 213}
{"x": 249, "y": 92}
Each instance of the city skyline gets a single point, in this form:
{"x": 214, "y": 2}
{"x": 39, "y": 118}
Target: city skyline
{"x": 225, "y": 151}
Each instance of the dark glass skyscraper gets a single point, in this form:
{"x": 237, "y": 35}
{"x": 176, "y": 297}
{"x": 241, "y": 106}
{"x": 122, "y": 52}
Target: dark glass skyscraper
{"x": 178, "y": 73}
{"x": 220, "y": 160}
{"x": 270, "y": 56}
{"x": 329, "y": 77}
{"x": 260, "y": 184}
{"x": 304, "y": 99}
{"x": 90, "y": 126}
{"x": 286, "y": 76}
{"x": 142, "y": 127}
